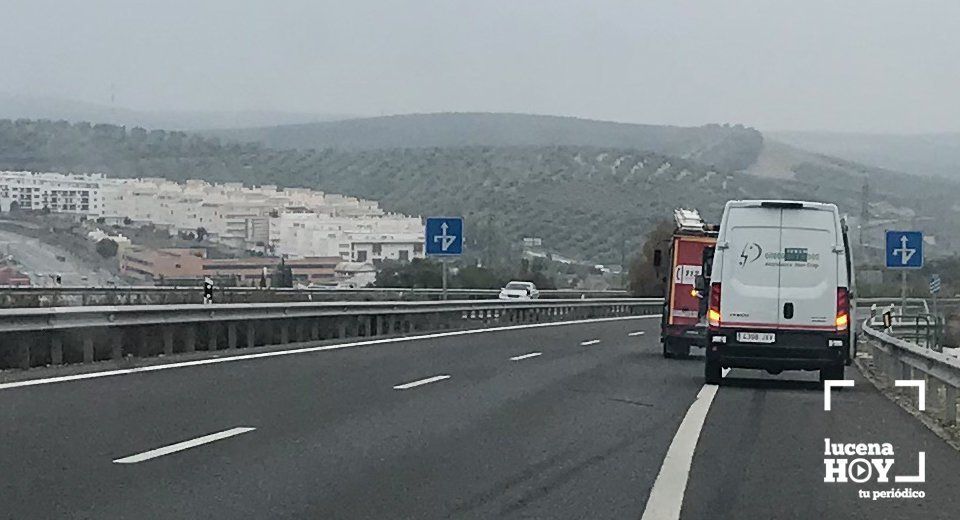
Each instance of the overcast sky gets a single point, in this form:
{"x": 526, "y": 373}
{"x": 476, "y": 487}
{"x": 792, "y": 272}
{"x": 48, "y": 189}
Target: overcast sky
{"x": 869, "y": 65}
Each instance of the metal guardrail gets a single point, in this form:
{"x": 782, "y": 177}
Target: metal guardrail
{"x": 898, "y": 359}
{"x": 17, "y": 297}
{"x": 914, "y": 324}
{"x": 896, "y": 301}
{"x": 33, "y": 337}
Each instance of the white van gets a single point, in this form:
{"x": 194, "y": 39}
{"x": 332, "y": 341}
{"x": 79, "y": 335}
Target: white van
{"x": 781, "y": 290}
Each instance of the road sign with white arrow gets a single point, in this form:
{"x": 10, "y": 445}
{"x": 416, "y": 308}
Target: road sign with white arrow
{"x": 904, "y": 249}
{"x": 444, "y": 236}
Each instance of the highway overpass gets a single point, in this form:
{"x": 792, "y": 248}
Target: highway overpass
{"x": 544, "y": 415}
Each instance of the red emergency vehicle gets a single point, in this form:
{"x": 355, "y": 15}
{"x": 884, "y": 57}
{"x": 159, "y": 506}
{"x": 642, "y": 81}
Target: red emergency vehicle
{"x": 683, "y": 323}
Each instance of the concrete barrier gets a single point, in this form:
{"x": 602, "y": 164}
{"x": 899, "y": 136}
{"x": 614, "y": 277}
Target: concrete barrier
{"x": 35, "y": 337}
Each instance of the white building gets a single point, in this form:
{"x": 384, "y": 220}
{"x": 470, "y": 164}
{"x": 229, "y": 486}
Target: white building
{"x": 78, "y": 194}
{"x": 356, "y": 239}
{"x": 295, "y": 222}
{"x": 98, "y": 235}
{"x": 353, "y": 275}
{"x": 376, "y": 247}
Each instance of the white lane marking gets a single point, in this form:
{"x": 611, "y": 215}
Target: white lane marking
{"x": 666, "y": 497}
{"x": 637, "y": 333}
{"x": 243, "y": 357}
{"x": 526, "y": 356}
{"x": 590, "y": 342}
{"x": 185, "y": 445}
{"x": 419, "y": 382}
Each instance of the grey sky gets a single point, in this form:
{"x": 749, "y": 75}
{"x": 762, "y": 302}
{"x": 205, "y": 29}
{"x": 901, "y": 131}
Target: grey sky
{"x": 870, "y": 65}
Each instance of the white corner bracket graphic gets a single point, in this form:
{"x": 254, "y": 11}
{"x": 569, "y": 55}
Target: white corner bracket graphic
{"x": 921, "y": 475}
{"x": 921, "y": 390}
{"x": 829, "y": 385}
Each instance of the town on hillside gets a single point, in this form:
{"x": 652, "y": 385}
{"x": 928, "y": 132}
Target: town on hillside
{"x": 234, "y": 234}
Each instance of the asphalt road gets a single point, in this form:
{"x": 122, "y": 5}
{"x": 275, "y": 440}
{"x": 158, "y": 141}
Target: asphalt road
{"x": 576, "y": 431}
{"x": 37, "y": 258}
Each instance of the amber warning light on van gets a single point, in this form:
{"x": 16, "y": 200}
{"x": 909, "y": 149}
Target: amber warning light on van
{"x": 713, "y": 314}
{"x": 843, "y": 309}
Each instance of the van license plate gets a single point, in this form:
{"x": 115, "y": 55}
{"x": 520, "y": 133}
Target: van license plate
{"x": 756, "y": 337}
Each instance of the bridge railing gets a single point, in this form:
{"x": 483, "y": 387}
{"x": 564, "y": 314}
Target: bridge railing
{"x": 18, "y": 297}
{"x": 897, "y": 359}
{"x": 35, "y": 337}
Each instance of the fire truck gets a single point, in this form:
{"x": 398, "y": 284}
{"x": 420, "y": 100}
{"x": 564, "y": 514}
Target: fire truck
{"x": 683, "y": 322}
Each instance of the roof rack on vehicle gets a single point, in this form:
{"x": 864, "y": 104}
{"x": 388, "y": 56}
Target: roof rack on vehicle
{"x": 688, "y": 220}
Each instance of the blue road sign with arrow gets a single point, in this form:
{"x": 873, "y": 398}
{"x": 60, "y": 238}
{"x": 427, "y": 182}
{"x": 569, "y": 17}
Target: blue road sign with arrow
{"x": 444, "y": 236}
{"x": 904, "y": 249}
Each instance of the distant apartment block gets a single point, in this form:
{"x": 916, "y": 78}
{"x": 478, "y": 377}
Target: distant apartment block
{"x": 291, "y": 222}
{"x": 193, "y": 264}
{"x": 369, "y": 239}
{"x": 80, "y": 194}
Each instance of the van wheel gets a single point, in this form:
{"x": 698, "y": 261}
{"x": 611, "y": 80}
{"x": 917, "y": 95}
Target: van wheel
{"x": 667, "y": 351}
{"x": 712, "y": 372}
{"x": 831, "y": 373}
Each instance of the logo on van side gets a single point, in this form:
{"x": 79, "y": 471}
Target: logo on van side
{"x": 795, "y": 254}
{"x": 751, "y": 253}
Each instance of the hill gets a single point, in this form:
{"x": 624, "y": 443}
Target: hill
{"x": 720, "y": 146}
{"x": 30, "y": 107}
{"x": 927, "y": 154}
{"x": 584, "y": 202}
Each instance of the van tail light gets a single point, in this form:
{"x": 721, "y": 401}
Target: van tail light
{"x": 843, "y": 309}
{"x": 713, "y": 313}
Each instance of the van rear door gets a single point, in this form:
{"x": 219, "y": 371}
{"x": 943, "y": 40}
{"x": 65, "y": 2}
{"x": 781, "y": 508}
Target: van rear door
{"x": 809, "y": 268}
{"x": 687, "y": 265}
{"x": 750, "y": 278}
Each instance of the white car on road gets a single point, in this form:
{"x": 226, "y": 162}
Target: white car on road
{"x": 519, "y": 291}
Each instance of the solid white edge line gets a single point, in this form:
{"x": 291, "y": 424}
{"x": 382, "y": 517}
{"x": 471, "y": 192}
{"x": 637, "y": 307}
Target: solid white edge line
{"x": 589, "y": 342}
{"x": 525, "y": 356}
{"x": 420, "y": 382}
{"x": 185, "y": 445}
{"x": 242, "y": 357}
{"x": 637, "y": 333}
{"x": 666, "y": 496}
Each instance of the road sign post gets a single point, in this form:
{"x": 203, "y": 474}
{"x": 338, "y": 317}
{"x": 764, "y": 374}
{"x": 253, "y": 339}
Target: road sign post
{"x": 443, "y": 263}
{"x": 904, "y": 251}
{"x": 444, "y": 238}
{"x": 935, "y": 286}
{"x": 903, "y": 293}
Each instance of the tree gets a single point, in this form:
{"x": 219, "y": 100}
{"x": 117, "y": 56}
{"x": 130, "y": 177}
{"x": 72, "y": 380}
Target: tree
{"x": 201, "y": 233}
{"x": 538, "y": 278}
{"x": 107, "y": 248}
{"x": 645, "y": 279}
{"x": 479, "y": 278}
{"x": 283, "y": 275}
{"x": 418, "y": 273}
